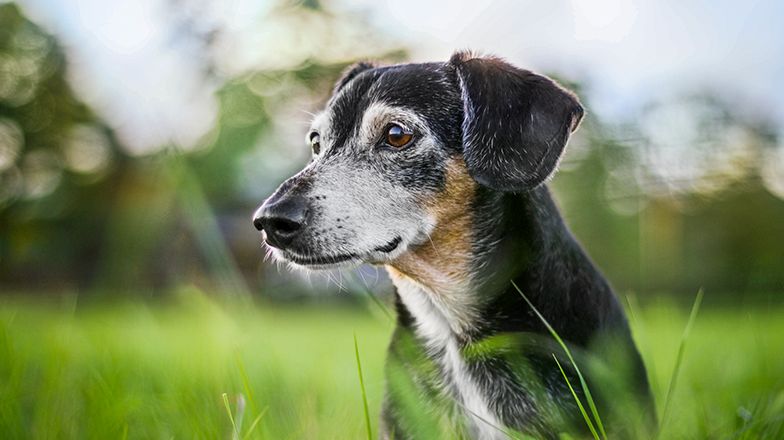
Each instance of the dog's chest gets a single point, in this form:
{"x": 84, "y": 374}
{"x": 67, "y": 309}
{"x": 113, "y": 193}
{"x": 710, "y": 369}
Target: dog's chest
{"x": 435, "y": 324}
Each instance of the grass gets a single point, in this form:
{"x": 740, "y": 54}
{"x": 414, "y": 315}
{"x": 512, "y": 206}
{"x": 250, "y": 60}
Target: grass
{"x": 141, "y": 370}
{"x": 583, "y": 384}
{"x": 679, "y": 359}
{"x": 365, "y": 409}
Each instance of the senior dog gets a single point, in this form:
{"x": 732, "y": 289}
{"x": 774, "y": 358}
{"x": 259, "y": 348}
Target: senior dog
{"x": 437, "y": 171}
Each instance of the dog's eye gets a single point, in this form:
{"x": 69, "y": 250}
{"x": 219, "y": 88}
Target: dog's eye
{"x": 398, "y": 136}
{"x": 315, "y": 142}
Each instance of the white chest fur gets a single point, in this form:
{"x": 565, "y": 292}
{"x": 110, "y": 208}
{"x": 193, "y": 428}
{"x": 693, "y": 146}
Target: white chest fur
{"x": 437, "y": 326}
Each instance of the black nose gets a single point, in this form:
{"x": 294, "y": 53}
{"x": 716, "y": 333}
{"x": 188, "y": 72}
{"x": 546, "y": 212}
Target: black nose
{"x": 281, "y": 219}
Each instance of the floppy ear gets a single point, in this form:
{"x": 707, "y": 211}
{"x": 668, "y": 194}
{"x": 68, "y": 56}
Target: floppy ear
{"x": 350, "y": 73}
{"x": 516, "y": 123}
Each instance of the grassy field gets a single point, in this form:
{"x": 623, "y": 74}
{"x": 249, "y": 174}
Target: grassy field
{"x": 142, "y": 370}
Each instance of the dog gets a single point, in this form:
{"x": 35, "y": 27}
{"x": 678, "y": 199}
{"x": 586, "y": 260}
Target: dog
{"x": 438, "y": 172}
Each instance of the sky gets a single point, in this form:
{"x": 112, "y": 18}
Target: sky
{"x": 630, "y": 50}
{"x": 124, "y": 64}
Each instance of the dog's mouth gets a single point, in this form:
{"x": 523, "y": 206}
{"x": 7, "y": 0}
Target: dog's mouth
{"x": 389, "y": 247}
{"x": 326, "y": 261}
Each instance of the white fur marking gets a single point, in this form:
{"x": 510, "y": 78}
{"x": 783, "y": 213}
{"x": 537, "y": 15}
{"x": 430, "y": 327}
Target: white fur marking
{"x": 432, "y": 324}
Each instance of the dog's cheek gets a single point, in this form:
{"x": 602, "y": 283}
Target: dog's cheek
{"x": 419, "y": 173}
{"x": 452, "y": 209}
{"x": 450, "y": 244}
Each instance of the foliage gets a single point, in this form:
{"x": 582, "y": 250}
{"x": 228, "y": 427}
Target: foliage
{"x": 152, "y": 370}
{"x": 690, "y": 205}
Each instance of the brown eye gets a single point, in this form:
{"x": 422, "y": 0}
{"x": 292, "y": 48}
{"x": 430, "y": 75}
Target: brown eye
{"x": 315, "y": 143}
{"x": 398, "y": 136}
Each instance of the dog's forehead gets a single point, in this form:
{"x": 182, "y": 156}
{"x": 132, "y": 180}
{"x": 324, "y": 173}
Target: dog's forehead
{"x": 423, "y": 88}
{"x": 413, "y": 86}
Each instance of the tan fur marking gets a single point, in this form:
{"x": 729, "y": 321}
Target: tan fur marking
{"x": 434, "y": 282}
{"x": 443, "y": 264}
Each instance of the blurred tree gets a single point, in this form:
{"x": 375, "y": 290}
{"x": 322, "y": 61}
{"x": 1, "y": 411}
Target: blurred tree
{"x": 675, "y": 201}
{"x": 77, "y": 210}
{"x": 56, "y": 162}
{"x": 682, "y": 195}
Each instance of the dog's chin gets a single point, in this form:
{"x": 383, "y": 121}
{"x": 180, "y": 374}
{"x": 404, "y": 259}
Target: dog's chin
{"x": 310, "y": 260}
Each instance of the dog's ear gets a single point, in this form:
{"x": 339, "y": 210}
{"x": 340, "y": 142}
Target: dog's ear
{"x": 516, "y": 123}
{"x": 350, "y": 73}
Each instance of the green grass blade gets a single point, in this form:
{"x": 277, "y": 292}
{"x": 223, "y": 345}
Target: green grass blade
{"x": 362, "y": 386}
{"x": 239, "y": 413}
{"x": 641, "y": 334}
{"x": 204, "y": 224}
{"x": 235, "y": 433}
{"x": 245, "y": 381}
{"x": 577, "y": 399}
{"x": 679, "y": 358}
{"x": 631, "y": 307}
{"x": 568, "y": 352}
{"x": 256, "y": 421}
{"x": 363, "y": 288}
{"x": 508, "y": 432}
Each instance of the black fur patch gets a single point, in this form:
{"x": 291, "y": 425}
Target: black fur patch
{"x": 516, "y": 122}
{"x": 350, "y": 72}
{"x": 430, "y": 90}
{"x": 510, "y": 124}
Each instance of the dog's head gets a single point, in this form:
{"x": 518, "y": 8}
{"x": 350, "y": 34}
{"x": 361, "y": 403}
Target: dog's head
{"x": 398, "y": 148}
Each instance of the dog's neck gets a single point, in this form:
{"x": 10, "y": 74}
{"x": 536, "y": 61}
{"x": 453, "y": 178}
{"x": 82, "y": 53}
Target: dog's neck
{"x": 471, "y": 256}
{"x": 440, "y": 272}
{"x": 518, "y": 238}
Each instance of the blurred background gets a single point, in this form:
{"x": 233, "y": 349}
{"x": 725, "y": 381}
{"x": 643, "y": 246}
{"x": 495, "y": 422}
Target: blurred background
{"x": 137, "y": 138}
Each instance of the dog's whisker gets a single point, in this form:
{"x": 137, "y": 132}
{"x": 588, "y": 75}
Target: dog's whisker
{"x": 377, "y": 273}
{"x": 432, "y": 244}
{"x": 364, "y": 281}
{"x": 340, "y": 285}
